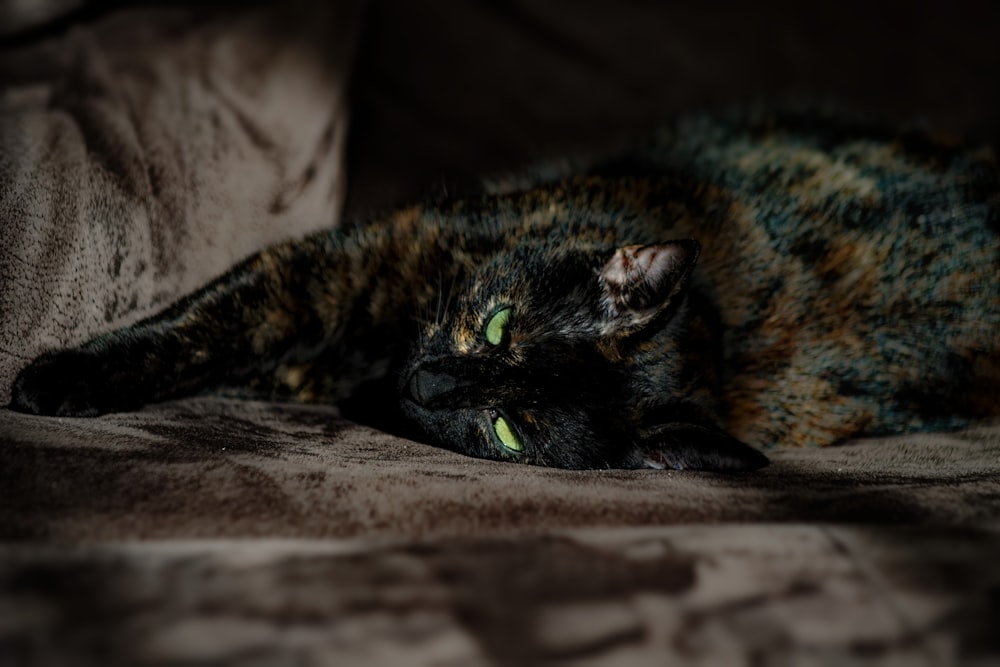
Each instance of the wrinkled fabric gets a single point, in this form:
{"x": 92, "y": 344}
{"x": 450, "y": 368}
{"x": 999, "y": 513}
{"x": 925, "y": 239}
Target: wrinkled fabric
{"x": 145, "y": 153}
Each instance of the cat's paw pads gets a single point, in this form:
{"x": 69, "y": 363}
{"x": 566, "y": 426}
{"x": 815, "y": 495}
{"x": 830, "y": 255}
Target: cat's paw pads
{"x": 67, "y": 383}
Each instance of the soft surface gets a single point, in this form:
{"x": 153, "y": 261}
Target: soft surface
{"x": 225, "y": 468}
{"x": 144, "y": 151}
{"x": 144, "y": 154}
{"x": 282, "y": 535}
{"x": 706, "y": 595}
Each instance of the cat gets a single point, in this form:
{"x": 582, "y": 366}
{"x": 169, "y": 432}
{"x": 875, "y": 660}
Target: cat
{"x": 741, "y": 280}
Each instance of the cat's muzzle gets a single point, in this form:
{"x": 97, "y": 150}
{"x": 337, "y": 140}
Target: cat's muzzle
{"x": 430, "y": 389}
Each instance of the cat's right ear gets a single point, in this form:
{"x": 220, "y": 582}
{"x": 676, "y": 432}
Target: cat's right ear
{"x": 691, "y": 447}
{"x": 640, "y": 281}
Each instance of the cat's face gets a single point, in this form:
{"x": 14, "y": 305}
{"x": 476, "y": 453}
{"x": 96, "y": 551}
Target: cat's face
{"x": 569, "y": 359}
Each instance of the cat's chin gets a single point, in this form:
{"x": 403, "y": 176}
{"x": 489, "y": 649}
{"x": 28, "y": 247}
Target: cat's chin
{"x": 419, "y": 419}
{"x": 432, "y": 427}
{"x": 412, "y": 410}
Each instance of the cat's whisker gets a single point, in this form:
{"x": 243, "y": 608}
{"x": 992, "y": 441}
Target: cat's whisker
{"x": 424, "y": 321}
{"x": 451, "y": 290}
{"x": 424, "y": 324}
{"x": 438, "y": 314}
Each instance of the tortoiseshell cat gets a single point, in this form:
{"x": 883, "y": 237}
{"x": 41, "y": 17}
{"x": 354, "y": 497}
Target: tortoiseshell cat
{"x": 745, "y": 279}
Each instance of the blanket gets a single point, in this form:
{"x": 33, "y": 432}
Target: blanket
{"x": 232, "y": 532}
{"x": 223, "y": 468}
{"x": 144, "y": 150}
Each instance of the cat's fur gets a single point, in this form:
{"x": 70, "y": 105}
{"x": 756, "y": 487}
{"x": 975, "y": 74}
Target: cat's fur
{"x": 761, "y": 278}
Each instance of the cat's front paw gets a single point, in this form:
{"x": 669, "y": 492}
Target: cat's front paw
{"x": 66, "y": 383}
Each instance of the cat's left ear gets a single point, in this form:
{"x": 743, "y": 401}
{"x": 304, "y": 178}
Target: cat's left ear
{"x": 691, "y": 447}
{"x": 640, "y": 281}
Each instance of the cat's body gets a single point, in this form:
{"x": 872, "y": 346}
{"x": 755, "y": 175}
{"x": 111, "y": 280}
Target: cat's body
{"x": 839, "y": 282}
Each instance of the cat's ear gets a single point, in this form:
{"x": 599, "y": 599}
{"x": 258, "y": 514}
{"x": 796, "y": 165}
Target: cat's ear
{"x": 640, "y": 281}
{"x": 691, "y": 447}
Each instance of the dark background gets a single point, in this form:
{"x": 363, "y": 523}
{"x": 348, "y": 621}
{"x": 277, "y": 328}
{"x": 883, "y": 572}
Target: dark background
{"x": 445, "y": 90}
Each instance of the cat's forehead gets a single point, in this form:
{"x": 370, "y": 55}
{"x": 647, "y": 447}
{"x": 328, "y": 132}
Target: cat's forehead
{"x": 532, "y": 318}
{"x": 549, "y": 286}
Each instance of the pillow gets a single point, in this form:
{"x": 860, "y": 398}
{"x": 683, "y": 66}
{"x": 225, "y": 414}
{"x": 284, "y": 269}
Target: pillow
{"x": 145, "y": 153}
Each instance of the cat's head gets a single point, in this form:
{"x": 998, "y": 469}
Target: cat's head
{"x": 579, "y": 358}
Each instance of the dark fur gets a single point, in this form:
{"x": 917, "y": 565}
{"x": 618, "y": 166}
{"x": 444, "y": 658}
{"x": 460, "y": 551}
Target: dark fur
{"x": 757, "y": 278}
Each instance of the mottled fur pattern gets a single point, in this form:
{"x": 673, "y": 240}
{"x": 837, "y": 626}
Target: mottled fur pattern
{"x": 762, "y": 278}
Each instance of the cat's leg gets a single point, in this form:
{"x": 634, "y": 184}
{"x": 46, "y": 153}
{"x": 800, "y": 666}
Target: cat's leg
{"x": 806, "y": 390}
{"x": 762, "y": 413}
{"x": 811, "y": 404}
{"x": 274, "y": 308}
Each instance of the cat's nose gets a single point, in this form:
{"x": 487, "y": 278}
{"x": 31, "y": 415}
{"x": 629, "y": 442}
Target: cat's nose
{"x": 426, "y": 387}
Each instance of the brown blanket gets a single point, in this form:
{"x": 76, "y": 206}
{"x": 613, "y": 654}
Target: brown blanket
{"x": 144, "y": 151}
{"x": 222, "y": 468}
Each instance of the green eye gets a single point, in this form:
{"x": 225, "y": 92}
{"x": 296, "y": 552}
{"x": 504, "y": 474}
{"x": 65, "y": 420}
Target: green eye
{"x": 496, "y": 328}
{"x": 506, "y": 435}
